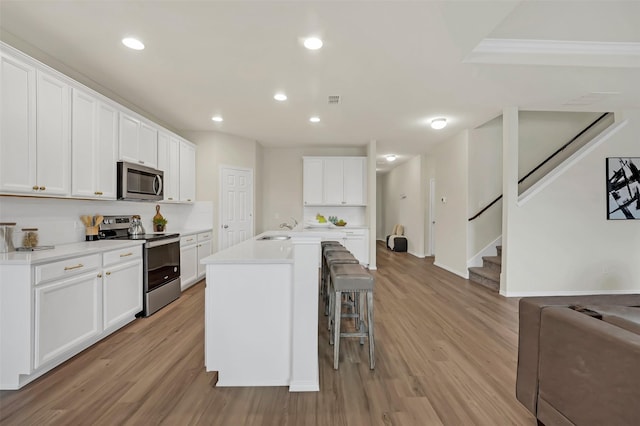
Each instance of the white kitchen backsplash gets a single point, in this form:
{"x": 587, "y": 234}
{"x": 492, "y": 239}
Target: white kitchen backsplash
{"x": 58, "y": 220}
{"x": 353, "y": 215}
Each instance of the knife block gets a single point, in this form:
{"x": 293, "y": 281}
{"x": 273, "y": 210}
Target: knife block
{"x": 91, "y": 233}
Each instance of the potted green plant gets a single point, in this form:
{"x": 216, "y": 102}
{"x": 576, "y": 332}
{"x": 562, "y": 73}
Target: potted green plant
{"x": 159, "y": 223}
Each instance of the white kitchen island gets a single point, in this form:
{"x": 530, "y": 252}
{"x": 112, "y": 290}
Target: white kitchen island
{"x": 261, "y": 312}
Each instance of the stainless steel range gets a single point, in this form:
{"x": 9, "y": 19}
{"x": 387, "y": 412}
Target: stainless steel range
{"x": 161, "y": 260}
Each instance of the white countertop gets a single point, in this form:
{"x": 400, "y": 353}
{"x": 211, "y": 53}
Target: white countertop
{"x": 65, "y": 251}
{"x": 184, "y": 232}
{"x": 254, "y": 251}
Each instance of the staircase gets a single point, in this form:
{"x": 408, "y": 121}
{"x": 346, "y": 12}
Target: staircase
{"x": 488, "y": 274}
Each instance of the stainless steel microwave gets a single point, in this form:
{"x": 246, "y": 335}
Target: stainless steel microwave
{"x": 137, "y": 182}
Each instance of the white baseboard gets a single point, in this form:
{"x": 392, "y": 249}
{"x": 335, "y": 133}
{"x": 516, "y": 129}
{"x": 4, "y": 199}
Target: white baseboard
{"x": 464, "y": 274}
{"x": 304, "y": 386}
{"x": 565, "y": 293}
{"x": 489, "y": 250}
{"x": 420, "y": 256}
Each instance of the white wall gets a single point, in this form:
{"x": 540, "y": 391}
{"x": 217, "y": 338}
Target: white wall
{"x": 451, "y": 159}
{"x": 560, "y": 241}
{"x": 543, "y": 132}
{"x": 282, "y": 181}
{"x": 485, "y": 185}
{"x": 216, "y": 149}
{"x": 381, "y": 234}
{"x": 58, "y": 220}
{"x": 403, "y": 195}
{"x": 428, "y": 173}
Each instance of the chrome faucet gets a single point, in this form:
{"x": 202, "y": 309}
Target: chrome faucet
{"x": 289, "y": 227}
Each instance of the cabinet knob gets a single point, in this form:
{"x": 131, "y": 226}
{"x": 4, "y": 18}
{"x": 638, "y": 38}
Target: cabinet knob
{"x": 170, "y": 198}
{"x": 35, "y": 187}
{"x": 98, "y": 193}
{"x": 344, "y": 202}
{"x": 140, "y": 161}
{"x": 42, "y": 188}
{"x": 108, "y": 273}
{"x": 99, "y": 275}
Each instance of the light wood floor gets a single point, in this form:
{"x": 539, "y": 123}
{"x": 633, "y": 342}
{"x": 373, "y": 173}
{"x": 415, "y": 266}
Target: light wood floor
{"x": 446, "y": 354}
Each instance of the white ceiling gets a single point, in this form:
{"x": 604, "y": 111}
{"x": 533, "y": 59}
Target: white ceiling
{"x": 395, "y": 64}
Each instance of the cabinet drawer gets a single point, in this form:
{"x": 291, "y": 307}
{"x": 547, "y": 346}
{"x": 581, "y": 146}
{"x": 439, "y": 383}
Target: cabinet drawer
{"x": 122, "y": 255}
{"x": 188, "y": 240}
{"x": 204, "y": 236}
{"x": 66, "y": 268}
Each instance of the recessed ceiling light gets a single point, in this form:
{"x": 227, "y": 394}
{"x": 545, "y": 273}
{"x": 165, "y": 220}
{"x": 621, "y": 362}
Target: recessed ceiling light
{"x": 133, "y": 43}
{"x": 313, "y": 43}
{"x": 280, "y": 97}
{"x": 391, "y": 158}
{"x": 217, "y": 118}
{"x": 314, "y": 119}
{"x": 438, "y": 123}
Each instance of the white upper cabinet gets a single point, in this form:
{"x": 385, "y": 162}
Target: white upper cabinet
{"x": 94, "y": 147}
{"x": 60, "y": 138}
{"x": 35, "y": 122}
{"x": 148, "y": 146}
{"x": 312, "y": 181}
{"x": 354, "y": 181}
{"x": 17, "y": 126}
{"x": 187, "y": 172}
{"x": 334, "y": 181}
{"x": 138, "y": 141}
{"x": 53, "y": 135}
{"x": 169, "y": 163}
{"x": 177, "y": 159}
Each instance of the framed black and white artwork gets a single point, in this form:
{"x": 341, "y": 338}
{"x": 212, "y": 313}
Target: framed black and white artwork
{"x": 623, "y": 188}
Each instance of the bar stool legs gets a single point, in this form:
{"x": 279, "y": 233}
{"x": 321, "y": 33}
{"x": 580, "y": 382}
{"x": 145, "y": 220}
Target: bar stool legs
{"x": 351, "y": 279}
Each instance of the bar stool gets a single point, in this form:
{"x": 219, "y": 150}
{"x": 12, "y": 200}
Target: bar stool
{"x": 333, "y": 257}
{"x": 353, "y": 278}
{"x": 326, "y": 248}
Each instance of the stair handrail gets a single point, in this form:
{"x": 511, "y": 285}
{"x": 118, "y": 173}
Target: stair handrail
{"x": 535, "y": 169}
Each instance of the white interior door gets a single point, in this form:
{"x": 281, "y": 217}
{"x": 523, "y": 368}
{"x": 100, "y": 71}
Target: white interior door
{"x": 432, "y": 217}
{"x": 236, "y": 205}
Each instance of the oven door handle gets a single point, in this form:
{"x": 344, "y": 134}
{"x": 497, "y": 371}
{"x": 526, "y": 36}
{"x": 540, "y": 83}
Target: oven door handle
{"x": 152, "y": 244}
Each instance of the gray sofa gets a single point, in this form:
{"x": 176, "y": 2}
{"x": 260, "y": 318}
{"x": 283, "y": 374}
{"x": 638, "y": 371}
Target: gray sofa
{"x": 580, "y": 365}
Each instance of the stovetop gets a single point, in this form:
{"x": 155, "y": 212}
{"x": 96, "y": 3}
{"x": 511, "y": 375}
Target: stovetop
{"x": 117, "y": 228}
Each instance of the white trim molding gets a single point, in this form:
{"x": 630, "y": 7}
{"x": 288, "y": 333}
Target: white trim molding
{"x": 556, "y": 52}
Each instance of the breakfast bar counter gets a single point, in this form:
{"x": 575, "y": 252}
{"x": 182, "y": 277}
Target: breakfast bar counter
{"x": 261, "y": 312}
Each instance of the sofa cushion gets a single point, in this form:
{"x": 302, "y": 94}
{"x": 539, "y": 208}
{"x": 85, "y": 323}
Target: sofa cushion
{"x": 530, "y": 312}
{"x": 588, "y": 369}
{"x": 627, "y": 317}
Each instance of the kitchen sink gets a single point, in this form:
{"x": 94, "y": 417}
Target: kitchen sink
{"x": 275, "y": 237}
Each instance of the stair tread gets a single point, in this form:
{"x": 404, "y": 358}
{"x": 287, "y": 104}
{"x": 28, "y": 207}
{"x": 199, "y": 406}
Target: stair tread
{"x": 493, "y": 259}
{"x": 486, "y": 273}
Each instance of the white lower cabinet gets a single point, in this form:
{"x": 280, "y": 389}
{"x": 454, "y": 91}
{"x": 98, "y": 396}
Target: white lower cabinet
{"x": 193, "y": 248}
{"x": 67, "y": 313}
{"x": 51, "y": 311}
{"x": 357, "y": 242}
{"x": 204, "y": 250}
{"x": 122, "y": 292}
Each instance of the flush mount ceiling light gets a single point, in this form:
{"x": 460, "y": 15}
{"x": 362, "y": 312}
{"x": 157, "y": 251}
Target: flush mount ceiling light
{"x": 133, "y": 43}
{"x": 280, "y": 97}
{"x": 217, "y": 118}
{"x": 314, "y": 119}
{"x": 438, "y": 123}
{"x": 391, "y": 158}
{"x": 313, "y": 43}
